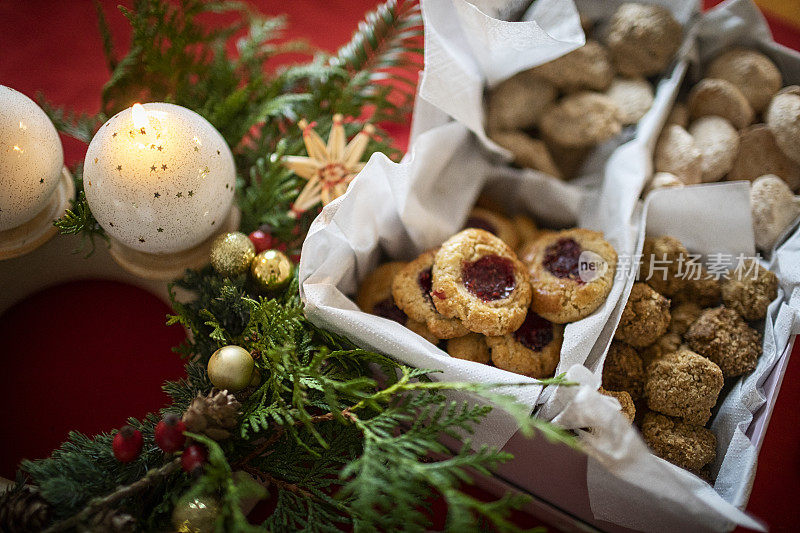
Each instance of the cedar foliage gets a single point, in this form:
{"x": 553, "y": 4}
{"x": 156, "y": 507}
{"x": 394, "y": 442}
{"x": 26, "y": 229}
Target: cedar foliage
{"x": 332, "y": 446}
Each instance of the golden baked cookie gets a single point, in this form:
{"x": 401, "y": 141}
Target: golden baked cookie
{"x": 627, "y": 407}
{"x": 749, "y": 290}
{"x": 422, "y": 330}
{"x": 411, "y": 289}
{"x": 718, "y": 142}
{"x": 759, "y": 154}
{"x": 645, "y": 317}
{"x": 751, "y": 72}
{"x": 534, "y": 349}
{"x": 686, "y": 445}
{"x": 587, "y": 67}
{"x": 677, "y": 154}
{"x": 478, "y": 279}
{"x": 683, "y": 384}
{"x": 375, "y": 292}
{"x": 723, "y": 336}
{"x": 528, "y": 152}
{"x": 581, "y": 119}
{"x": 782, "y": 119}
{"x": 713, "y": 96}
{"x": 623, "y": 370}
{"x": 494, "y": 223}
{"x": 643, "y": 39}
{"x": 518, "y": 102}
{"x": 565, "y": 289}
{"x": 527, "y": 230}
{"x": 471, "y": 347}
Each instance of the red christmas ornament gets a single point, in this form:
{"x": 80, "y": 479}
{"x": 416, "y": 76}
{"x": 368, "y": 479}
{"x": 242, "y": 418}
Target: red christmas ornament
{"x": 261, "y": 239}
{"x": 127, "y": 444}
{"x": 169, "y": 433}
{"x": 193, "y": 457}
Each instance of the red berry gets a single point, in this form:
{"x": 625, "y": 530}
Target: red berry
{"x": 193, "y": 457}
{"x": 127, "y": 444}
{"x": 169, "y": 433}
{"x": 261, "y": 239}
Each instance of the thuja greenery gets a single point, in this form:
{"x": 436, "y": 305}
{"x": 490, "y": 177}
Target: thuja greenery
{"x": 329, "y": 443}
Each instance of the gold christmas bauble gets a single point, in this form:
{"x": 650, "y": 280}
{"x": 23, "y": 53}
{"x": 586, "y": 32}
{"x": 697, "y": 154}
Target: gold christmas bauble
{"x": 231, "y": 367}
{"x": 195, "y": 515}
{"x": 271, "y": 270}
{"x": 232, "y": 253}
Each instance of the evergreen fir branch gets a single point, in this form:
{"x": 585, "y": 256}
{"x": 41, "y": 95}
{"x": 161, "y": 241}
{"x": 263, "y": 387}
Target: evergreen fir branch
{"x": 78, "y": 126}
{"x": 78, "y": 219}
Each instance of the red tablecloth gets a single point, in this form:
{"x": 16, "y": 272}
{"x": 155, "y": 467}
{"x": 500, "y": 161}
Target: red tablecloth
{"x": 87, "y": 355}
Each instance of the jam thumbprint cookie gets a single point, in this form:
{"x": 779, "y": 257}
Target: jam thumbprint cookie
{"x": 533, "y": 349}
{"x": 478, "y": 279}
{"x": 375, "y": 297}
{"x": 571, "y": 273}
{"x": 412, "y": 288}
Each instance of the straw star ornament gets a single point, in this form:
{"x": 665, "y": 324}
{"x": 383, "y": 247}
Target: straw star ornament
{"x": 329, "y": 168}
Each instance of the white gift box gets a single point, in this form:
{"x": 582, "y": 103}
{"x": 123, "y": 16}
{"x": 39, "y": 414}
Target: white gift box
{"x": 398, "y": 210}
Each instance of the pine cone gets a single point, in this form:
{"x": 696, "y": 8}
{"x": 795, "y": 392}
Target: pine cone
{"x": 23, "y": 510}
{"x": 213, "y": 415}
{"x": 112, "y": 521}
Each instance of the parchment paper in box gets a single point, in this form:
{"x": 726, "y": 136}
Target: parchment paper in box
{"x": 400, "y": 210}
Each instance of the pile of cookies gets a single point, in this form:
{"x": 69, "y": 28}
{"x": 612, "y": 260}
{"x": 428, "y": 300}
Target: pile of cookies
{"x": 683, "y": 332}
{"x": 551, "y": 116}
{"x": 737, "y": 123}
{"x": 498, "y": 292}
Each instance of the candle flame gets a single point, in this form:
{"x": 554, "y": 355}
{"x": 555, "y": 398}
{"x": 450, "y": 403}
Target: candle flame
{"x": 139, "y": 115}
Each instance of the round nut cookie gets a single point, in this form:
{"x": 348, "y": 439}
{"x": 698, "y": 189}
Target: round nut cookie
{"x": 751, "y": 72}
{"x": 494, "y": 223}
{"x": 633, "y": 96}
{"x": 749, "y": 290}
{"x": 662, "y": 180}
{"x": 718, "y": 142}
{"x": 643, "y": 39}
{"x": 587, "y": 67}
{"x": 411, "y": 289}
{"x": 581, "y": 119}
{"x": 685, "y": 445}
{"x": 677, "y": 154}
{"x": 623, "y": 370}
{"x": 518, "y": 102}
{"x": 572, "y": 272}
{"x": 759, "y": 154}
{"x": 713, "y": 96}
{"x": 683, "y": 384}
{"x": 528, "y": 152}
{"x": 722, "y": 336}
{"x": 774, "y": 207}
{"x": 645, "y": 317}
{"x": 534, "y": 349}
{"x": 375, "y": 293}
{"x": 478, "y": 279}
{"x": 471, "y": 347}
{"x": 782, "y": 119}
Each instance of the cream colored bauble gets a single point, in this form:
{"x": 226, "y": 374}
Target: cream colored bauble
{"x": 159, "y": 178}
{"x": 31, "y": 159}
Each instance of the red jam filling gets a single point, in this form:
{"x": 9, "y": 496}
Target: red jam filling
{"x": 535, "y": 333}
{"x": 489, "y": 278}
{"x": 387, "y": 309}
{"x": 425, "y": 282}
{"x": 562, "y": 259}
{"x": 480, "y": 223}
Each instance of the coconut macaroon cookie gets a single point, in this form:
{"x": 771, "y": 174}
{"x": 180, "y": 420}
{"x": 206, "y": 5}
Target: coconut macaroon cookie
{"x": 750, "y": 289}
{"x": 633, "y": 96}
{"x": 564, "y": 290}
{"x": 718, "y": 142}
{"x": 713, "y": 96}
{"x": 534, "y": 349}
{"x": 581, "y": 119}
{"x": 518, "y": 102}
{"x": 759, "y": 154}
{"x": 677, "y": 154}
{"x": 686, "y": 445}
{"x": 411, "y": 289}
{"x": 723, "y": 336}
{"x": 643, "y": 39}
{"x": 478, "y": 279}
{"x": 751, "y": 72}
{"x": 623, "y": 370}
{"x": 587, "y": 67}
{"x": 782, "y": 118}
{"x": 645, "y": 317}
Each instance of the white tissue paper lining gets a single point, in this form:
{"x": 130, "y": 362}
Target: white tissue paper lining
{"x": 399, "y": 210}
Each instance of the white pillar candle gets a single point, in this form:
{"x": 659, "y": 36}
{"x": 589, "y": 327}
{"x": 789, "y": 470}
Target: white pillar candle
{"x": 159, "y": 178}
{"x": 31, "y": 159}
